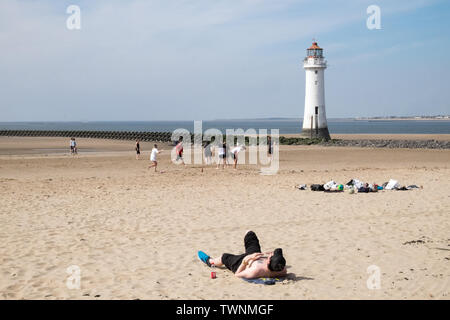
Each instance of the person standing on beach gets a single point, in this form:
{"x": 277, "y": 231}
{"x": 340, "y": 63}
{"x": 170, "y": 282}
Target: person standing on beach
{"x": 153, "y": 156}
{"x": 222, "y": 153}
{"x": 269, "y": 147}
{"x": 179, "y": 151}
{"x": 251, "y": 264}
{"x": 208, "y": 153}
{"x": 235, "y": 151}
{"x": 138, "y": 149}
{"x": 73, "y": 146}
{"x": 227, "y": 154}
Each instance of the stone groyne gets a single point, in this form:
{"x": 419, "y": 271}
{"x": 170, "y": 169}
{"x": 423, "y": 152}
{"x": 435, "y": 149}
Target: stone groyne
{"x": 167, "y": 137}
{"x": 370, "y": 143}
{"x": 408, "y": 144}
{"x": 116, "y": 135}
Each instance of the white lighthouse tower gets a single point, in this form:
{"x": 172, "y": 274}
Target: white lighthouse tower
{"x": 315, "y": 119}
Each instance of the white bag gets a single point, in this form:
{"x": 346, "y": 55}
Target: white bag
{"x": 358, "y": 184}
{"x": 392, "y": 184}
{"x": 330, "y": 185}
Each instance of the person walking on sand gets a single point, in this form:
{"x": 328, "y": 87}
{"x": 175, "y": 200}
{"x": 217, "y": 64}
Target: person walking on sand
{"x": 153, "y": 156}
{"x": 235, "y": 151}
{"x": 179, "y": 151}
{"x": 73, "y": 146}
{"x": 222, "y": 153}
{"x": 138, "y": 149}
{"x": 251, "y": 264}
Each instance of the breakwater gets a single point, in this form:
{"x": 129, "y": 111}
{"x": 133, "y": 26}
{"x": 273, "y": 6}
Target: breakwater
{"x": 167, "y": 137}
{"x": 115, "y": 135}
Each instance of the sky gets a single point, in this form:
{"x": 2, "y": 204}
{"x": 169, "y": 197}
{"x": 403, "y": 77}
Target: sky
{"x": 150, "y": 60}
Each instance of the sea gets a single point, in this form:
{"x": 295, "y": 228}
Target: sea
{"x": 285, "y": 126}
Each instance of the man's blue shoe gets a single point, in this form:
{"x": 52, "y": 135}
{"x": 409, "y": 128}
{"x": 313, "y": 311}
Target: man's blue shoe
{"x": 204, "y": 258}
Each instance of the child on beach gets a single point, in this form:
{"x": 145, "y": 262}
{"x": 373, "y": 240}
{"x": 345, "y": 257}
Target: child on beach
{"x": 153, "y": 156}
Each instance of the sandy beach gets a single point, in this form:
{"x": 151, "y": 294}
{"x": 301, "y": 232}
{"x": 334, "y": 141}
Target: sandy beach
{"x": 134, "y": 233}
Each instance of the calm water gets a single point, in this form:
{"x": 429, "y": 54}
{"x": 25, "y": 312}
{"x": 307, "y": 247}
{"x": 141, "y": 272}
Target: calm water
{"x": 285, "y": 126}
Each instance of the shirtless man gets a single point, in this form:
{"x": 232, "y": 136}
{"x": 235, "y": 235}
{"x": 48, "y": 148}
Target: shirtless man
{"x": 251, "y": 264}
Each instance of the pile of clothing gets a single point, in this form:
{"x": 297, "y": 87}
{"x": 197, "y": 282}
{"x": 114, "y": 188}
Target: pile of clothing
{"x": 394, "y": 185}
{"x": 356, "y": 186}
{"x": 330, "y": 186}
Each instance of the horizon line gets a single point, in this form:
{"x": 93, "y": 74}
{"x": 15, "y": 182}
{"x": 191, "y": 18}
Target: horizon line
{"x": 239, "y": 119}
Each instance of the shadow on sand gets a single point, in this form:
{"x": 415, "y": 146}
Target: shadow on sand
{"x": 291, "y": 276}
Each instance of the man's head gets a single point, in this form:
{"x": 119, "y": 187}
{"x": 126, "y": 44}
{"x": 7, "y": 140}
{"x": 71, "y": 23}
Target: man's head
{"x": 277, "y": 261}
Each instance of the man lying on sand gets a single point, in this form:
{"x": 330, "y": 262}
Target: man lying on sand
{"x": 251, "y": 264}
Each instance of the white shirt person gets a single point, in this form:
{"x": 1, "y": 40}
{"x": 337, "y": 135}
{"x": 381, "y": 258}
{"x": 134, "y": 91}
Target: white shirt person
{"x": 235, "y": 151}
{"x": 154, "y": 153}
{"x": 153, "y": 157}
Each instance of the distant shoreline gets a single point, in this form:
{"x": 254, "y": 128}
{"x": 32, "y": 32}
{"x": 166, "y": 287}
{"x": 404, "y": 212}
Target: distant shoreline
{"x": 221, "y": 120}
{"x": 334, "y": 119}
{"x": 400, "y": 119}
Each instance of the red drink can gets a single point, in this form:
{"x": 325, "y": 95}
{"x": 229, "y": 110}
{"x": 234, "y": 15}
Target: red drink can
{"x": 213, "y": 275}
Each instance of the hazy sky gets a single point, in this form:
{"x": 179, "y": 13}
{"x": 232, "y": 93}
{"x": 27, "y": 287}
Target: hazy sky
{"x": 208, "y": 59}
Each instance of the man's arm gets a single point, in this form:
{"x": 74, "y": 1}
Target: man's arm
{"x": 253, "y": 256}
{"x": 247, "y": 273}
{"x": 241, "y": 268}
{"x": 246, "y": 260}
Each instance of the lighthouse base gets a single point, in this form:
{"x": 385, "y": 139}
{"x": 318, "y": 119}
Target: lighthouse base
{"x": 321, "y": 133}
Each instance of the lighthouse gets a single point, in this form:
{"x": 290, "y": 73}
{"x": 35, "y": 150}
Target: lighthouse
{"x": 314, "y": 118}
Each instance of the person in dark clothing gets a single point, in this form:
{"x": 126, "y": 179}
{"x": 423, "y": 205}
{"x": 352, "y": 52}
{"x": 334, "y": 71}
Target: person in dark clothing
{"x": 138, "y": 149}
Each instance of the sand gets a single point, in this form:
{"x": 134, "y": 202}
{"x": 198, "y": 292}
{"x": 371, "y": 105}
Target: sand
{"x": 134, "y": 234}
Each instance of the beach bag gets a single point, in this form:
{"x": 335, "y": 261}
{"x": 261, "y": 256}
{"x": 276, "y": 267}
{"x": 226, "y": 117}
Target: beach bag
{"x": 363, "y": 190}
{"x": 392, "y": 184}
{"x": 358, "y": 184}
{"x": 355, "y": 182}
{"x": 317, "y": 187}
{"x": 330, "y": 185}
